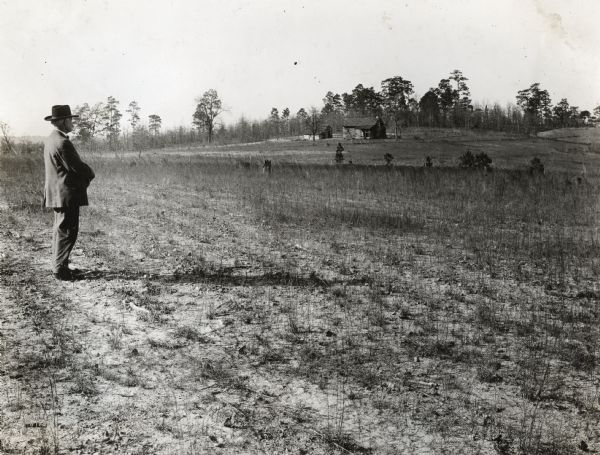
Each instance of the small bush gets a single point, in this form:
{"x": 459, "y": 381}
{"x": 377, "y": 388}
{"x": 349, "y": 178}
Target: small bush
{"x": 483, "y": 161}
{"x": 428, "y": 162}
{"x": 479, "y": 161}
{"x": 339, "y": 154}
{"x": 488, "y": 372}
{"x": 191, "y": 334}
{"x": 84, "y": 384}
{"x": 536, "y": 166}
{"x": 388, "y": 159}
{"x": 467, "y": 160}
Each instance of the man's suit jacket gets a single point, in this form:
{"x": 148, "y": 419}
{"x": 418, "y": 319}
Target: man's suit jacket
{"x": 67, "y": 177}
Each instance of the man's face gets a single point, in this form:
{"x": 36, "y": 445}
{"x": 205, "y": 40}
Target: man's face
{"x": 68, "y": 125}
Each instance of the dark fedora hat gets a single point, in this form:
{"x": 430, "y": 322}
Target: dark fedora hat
{"x": 60, "y": 111}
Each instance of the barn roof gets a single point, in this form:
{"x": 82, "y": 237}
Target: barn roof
{"x": 360, "y": 122}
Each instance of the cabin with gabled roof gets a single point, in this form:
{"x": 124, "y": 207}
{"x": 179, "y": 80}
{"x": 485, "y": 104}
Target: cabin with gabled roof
{"x": 364, "y": 128}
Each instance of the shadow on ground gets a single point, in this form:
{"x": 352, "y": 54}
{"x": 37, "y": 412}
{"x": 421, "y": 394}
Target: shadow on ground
{"x": 225, "y": 276}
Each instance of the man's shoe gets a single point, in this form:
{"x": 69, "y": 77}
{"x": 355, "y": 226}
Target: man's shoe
{"x": 73, "y": 270}
{"x": 63, "y": 275}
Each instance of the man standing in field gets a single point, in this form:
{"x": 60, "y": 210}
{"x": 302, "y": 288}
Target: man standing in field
{"x": 65, "y": 190}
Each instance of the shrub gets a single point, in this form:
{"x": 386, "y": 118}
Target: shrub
{"x": 467, "y": 159}
{"x": 479, "y": 161}
{"x": 428, "y": 162}
{"x": 482, "y": 161}
{"x": 536, "y": 166}
{"x": 388, "y": 159}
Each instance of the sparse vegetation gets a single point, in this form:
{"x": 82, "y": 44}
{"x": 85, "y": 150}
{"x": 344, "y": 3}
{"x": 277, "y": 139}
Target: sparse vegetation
{"x": 324, "y": 308}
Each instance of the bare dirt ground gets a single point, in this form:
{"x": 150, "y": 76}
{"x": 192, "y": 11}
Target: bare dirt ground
{"x": 135, "y": 359}
{"x": 214, "y": 317}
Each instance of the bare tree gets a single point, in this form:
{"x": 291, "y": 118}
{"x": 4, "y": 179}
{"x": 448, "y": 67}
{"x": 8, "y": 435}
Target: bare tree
{"x": 6, "y": 140}
{"x": 207, "y": 110}
{"x": 313, "y": 122}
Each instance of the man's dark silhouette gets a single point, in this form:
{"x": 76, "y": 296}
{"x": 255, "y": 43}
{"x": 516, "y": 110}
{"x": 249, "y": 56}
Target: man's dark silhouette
{"x": 65, "y": 189}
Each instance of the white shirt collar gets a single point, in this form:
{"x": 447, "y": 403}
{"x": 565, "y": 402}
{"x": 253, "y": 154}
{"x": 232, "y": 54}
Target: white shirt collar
{"x": 62, "y": 133}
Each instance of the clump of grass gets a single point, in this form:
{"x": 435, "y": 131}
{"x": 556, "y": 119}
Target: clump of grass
{"x": 214, "y": 370}
{"x": 339, "y": 291}
{"x": 292, "y": 319}
{"x": 218, "y": 371}
{"x": 488, "y": 371}
{"x": 190, "y": 334}
{"x": 131, "y": 379}
{"x": 310, "y": 354}
{"x": 340, "y": 440}
{"x": 84, "y": 384}
{"x": 165, "y": 343}
{"x": 442, "y": 348}
{"x": 152, "y": 288}
{"x": 268, "y": 356}
{"x": 536, "y": 167}
{"x": 115, "y": 337}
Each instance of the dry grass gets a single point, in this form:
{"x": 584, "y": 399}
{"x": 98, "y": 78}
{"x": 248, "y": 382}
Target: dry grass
{"x": 466, "y": 301}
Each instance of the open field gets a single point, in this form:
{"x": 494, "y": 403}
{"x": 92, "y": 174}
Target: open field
{"x": 576, "y": 156}
{"x": 589, "y": 136}
{"x": 320, "y": 309}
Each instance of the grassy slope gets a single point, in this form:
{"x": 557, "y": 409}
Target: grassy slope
{"x": 443, "y": 146}
{"x": 589, "y": 135}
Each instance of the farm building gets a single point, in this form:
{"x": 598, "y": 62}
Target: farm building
{"x": 364, "y": 128}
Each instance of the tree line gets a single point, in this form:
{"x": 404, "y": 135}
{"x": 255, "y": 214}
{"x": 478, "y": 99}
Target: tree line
{"x": 99, "y": 126}
{"x": 447, "y": 105}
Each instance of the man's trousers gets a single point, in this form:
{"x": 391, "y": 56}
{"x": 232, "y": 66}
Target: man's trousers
{"x": 64, "y": 235}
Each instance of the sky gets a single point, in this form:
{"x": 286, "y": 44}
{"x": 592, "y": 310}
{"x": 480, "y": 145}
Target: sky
{"x": 284, "y": 53}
